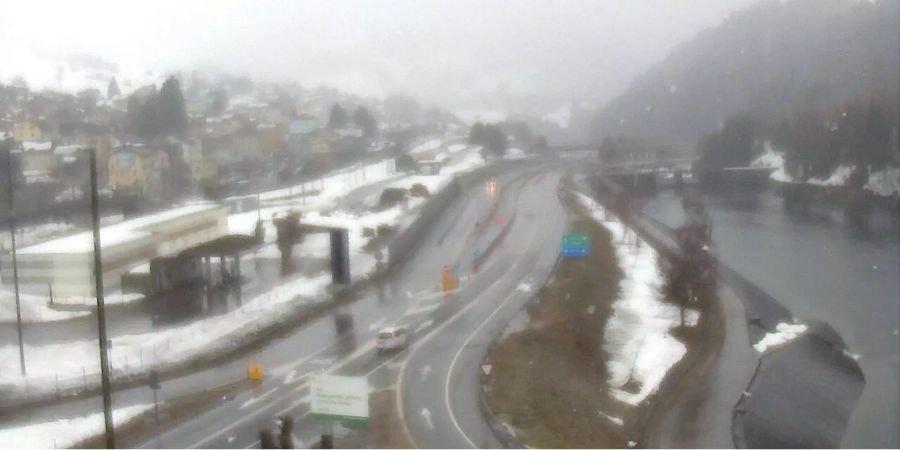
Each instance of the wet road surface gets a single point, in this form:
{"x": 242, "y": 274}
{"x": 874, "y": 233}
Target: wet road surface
{"x": 410, "y": 300}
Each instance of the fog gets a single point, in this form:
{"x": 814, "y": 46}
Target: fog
{"x": 503, "y": 55}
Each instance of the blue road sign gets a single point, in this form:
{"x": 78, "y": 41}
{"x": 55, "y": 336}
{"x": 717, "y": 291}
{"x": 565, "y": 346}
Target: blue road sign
{"x": 575, "y": 245}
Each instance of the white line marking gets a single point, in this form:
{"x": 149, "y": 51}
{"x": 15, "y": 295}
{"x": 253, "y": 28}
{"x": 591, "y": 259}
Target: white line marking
{"x": 290, "y": 378}
{"x": 453, "y": 363}
{"x": 426, "y": 414}
{"x": 421, "y": 310}
{"x": 258, "y": 398}
{"x": 423, "y": 326}
{"x": 362, "y": 350}
{"x": 374, "y": 325}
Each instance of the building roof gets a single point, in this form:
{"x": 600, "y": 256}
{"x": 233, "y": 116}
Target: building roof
{"x": 129, "y": 230}
{"x": 37, "y": 146}
{"x": 64, "y": 150}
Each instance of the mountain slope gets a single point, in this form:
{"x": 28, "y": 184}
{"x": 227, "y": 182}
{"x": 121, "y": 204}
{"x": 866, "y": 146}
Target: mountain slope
{"x": 769, "y": 60}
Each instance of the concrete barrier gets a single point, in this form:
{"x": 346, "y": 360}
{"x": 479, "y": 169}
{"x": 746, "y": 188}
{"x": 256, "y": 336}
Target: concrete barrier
{"x": 409, "y": 237}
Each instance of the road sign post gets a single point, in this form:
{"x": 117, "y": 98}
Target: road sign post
{"x": 340, "y": 399}
{"x": 153, "y": 383}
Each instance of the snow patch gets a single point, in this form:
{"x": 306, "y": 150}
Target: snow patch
{"x": 616, "y": 420}
{"x": 837, "y": 178}
{"x": 515, "y": 153}
{"x": 637, "y": 333}
{"x": 64, "y": 433}
{"x": 884, "y": 182}
{"x": 34, "y": 309}
{"x": 784, "y": 332}
{"x": 561, "y": 117}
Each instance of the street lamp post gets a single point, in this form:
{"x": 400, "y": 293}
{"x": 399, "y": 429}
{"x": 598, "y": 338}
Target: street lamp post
{"x": 101, "y": 310}
{"x": 12, "y": 228}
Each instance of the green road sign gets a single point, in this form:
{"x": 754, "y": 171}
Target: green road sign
{"x": 575, "y": 245}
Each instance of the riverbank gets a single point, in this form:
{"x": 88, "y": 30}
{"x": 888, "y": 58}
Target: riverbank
{"x": 813, "y": 267}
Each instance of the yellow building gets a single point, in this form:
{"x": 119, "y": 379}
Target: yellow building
{"x": 137, "y": 170}
{"x": 27, "y": 131}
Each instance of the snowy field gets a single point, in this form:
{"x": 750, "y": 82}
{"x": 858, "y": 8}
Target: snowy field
{"x": 637, "y": 337}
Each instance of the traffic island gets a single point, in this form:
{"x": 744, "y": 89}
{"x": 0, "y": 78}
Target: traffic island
{"x": 547, "y": 382}
{"x": 563, "y": 378}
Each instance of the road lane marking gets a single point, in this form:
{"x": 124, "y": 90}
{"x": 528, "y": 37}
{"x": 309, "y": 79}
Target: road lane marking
{"x": 426, "y": 415}
{"x": 422, "y": 309}
{"x": 341, "y": 364}
{"x": 472, "y": 336}
{"x": 374, "y": 325}
{"x": 257, "y": 398}
{"x": 362, "y": 351}
{"x": 456, "y": 358}
{"x": 418, "y": 344}
{"x": 290, "y": 378}
{"x": 423, "y": 326}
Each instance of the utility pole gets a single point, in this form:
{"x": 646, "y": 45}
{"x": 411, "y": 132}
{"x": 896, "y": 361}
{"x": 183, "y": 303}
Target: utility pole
{"x": 101, "y": 310}
{"x": 12, "y": 228}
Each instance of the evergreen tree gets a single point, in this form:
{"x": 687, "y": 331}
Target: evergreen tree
{"x": 364, "y": 120}
{"x": 172, "y": 117}
{"x": 113, "y": 90}
{"x": 337, "y": 117}
{"x": 219, "y": 102}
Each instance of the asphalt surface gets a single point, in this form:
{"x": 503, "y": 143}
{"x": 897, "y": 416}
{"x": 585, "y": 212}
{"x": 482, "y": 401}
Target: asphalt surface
{"x": 701, "y": 418}
{"x": 439, "y": 382}
{"x": 411, "y": 300}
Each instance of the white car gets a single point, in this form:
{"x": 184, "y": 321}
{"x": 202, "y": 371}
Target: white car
{"x": 392, "y": 338}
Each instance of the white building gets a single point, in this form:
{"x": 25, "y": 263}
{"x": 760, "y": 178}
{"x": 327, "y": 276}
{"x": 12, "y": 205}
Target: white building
{"x": 66, "y": 263}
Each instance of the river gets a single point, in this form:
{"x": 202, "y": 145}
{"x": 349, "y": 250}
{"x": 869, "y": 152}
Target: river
{"x": 822, "y": 269}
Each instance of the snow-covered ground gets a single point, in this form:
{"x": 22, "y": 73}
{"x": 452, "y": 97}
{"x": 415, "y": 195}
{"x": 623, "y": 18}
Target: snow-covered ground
{"x": 73, "y": 365}
{"x": 515, "y": 153}
{"x": 37, "y": 308}
{"x": 775, "y": 160}
{"x": 431, "y": 145}
{"x": 561, "y": 117}
{"x": 30, "y": 235}
{"x": 65, "y": 433}
{"x": 885, "y": 182}
{"x": 837, "y": 178}
{"x": 34, "y": 309}
{"x": 333, "y": 186}
{"x": 784, "y": 332}
{"x": 637, "y": 337}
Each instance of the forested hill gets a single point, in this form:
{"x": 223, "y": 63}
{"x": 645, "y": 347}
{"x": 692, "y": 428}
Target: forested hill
{"x": 770, "y": 60}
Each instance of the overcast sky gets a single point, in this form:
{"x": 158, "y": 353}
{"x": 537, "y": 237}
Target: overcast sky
{"x": 462, "y": 53}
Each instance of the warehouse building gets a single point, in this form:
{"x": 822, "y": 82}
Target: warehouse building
{"x": 66, "y": 263}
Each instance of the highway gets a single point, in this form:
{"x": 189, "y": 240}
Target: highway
{"x": 462, "y": 323}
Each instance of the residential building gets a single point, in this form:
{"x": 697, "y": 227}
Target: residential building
{"x": 138, "y": 169}
{"x": 27, "y": 130}
{"x": 37, "y": 159}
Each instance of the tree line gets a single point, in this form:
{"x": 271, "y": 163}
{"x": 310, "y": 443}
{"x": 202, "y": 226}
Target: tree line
{"x": 860, "y": 133}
